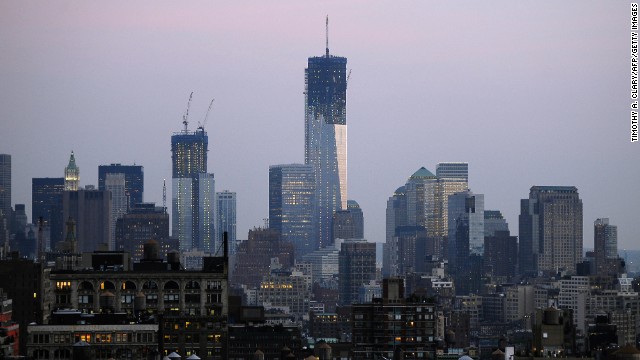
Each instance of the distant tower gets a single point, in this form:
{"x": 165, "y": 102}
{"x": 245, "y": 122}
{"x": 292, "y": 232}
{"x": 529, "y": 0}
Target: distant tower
{"x": 71, "y": 175}
{"x": 605, "y": 238}
{"x": 292, "y": 191}
{"x": 226, "y": 219}
{"x": 115, "y": 183}
{"x": 550, "y": 230}
{"x": 465, "y": 228}
{"x": 326, "y": 136}
{"x": 46, "y": 203}
{"x": 193, "y": 191}
{"x": 133, "y": 180}
{"x": 357, "y": 266}
{"x": 5, "y": 185}
{"x": 91, "y": 211}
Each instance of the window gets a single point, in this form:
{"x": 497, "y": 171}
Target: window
{"x": 63, "y": 285}
{"x": 85, "y": 299}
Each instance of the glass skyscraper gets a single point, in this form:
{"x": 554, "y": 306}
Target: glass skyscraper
{"x": 226, "y": 219}
{"x": 46, "y": 202}
{"x": 292, "y": 191}
{"x": 326, "y": 136}
{"x": 193, "y": 205}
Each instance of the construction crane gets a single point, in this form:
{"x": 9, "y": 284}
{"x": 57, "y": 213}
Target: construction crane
{"x": 185, "y": 117}
{"x": 204, "y": 122}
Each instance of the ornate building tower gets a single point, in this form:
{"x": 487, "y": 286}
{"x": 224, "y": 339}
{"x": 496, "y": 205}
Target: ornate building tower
{"x": 71, "y": 175}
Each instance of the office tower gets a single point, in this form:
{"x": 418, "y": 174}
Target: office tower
{"x": 133, "y": 180}
{"x": 550, "y": 230}
{"x": 466, "y": 227}
{"x": 358, "y": 218}
{"x": 226, "y": 218}
{"x": 501, "y": 254}
{"x": 605, "y": 246}
{"x": 292, "y": 194}
{"x": 46, "y": 202}
{"x": 115, "y": 183}
{"x": 494, "y": 221}
{"x": 396, "y": 215}
{"x": 144, "y": 222}
{"x": 5, "y": 186}
{"x": 357, "y": 266}
{"x": 255, "y": 256}
{"x": 326, "y": 136}
{"x": 453, "y": 170}
{"x": 71, "y": 175}
{"x": 193, "y": 203}
{"x": 452, "y": 177}
{"x": 91, "y": 211}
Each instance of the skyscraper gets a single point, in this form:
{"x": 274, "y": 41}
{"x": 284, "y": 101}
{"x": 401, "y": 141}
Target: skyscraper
{"x": 142, "y": 223}
{"x": 226, "y": 218}
{"x": 193, "y": 205}
{"x": 605, "y": 246}
{"x": 466, "y": 227}
{"x": 292, "y": 194}
{"x": 452, "y": 177}
{"x": 5, "y": 185}
{"x": 550, "y": 230}
{"x": 46, "y": 202}
{"x": 133, "y": 180}
{"x": 91, "y": 211}
{"x": 357, "y": 266}
{"x": 358, "y": 218}
{"x": 326, "y": 136}
{"x": 115, "y": 183}
{"x": 71, "y": 175}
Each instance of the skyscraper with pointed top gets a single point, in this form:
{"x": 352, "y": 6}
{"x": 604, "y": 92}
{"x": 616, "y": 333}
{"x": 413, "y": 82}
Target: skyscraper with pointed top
{"x": 71, "y": 174}
{"x": 326, "y": 135}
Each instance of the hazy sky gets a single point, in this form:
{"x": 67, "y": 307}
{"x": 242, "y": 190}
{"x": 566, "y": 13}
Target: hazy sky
{"x": 529, "y": 93}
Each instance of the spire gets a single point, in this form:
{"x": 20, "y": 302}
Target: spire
{"x": 327, "y": 34}
{"x": 72, "y": 161}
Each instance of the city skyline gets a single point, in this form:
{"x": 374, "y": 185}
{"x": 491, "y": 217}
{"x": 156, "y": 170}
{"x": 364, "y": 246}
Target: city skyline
{"x": 540, "y": 99}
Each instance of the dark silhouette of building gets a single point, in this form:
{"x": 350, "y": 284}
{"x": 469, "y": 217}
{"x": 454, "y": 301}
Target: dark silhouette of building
{"x": 5, "y": 185}
{"x": 393, "y": 323}
{"x": 501, "y": 255}
{"x": 133, "y": 180}
{"x": 253, "y": 259}
{"x": 605, "y": 241}
{"x": 46, "y": 202}
{"x": 356, "y": 266}
{"x": 144, "y": 222}
{"x": 91, "y": 211}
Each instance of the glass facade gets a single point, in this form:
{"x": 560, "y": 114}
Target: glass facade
{"x": 465, "y": 226}
{"x": 46, "y": 202}
{"x": 115, "y": 183}
{"x": 193, "y": 192}
{"x": 292, "y": 191}
{"x": 226, "y": 218}
{"x": 326, "y": 137}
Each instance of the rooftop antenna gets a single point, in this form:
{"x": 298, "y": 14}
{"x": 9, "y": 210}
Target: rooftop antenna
{"x": 327, "y": 34}
{"x": 185, "y": 117}
{"x": 164, "y": 195}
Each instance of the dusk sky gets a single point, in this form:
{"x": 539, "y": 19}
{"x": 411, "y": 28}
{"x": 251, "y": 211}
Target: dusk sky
{"x": 528, "y": 93}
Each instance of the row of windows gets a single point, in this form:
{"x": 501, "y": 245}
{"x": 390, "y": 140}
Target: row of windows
{"x": 141, "y": 337}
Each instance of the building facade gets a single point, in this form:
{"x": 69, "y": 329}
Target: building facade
{"x": 144, "y": 222}
{"x": 115, "y": 183}
{"x": 357, "y": 266}
{"x": 193, "y": 195}
{"x": 91, "y": 211}
{"x": 226, "y": 219}
{"x": 466, "y": 227}
{"x": 326, "y": 136}
{"x": 550, "y": 230}
{"x": 5, "y": 185}
{"x": 133, "y": 180}
{"x": 605, "y": 241}
{"x": 46, "y": 202}
{"x": 292, "y": 200}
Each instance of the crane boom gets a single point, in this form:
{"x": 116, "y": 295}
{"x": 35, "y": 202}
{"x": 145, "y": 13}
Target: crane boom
{"x": 204, "y": 123}
{"x": 185, "y": 117}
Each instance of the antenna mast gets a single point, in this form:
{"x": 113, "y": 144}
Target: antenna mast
{"x": 327, "y": 34}
{"x": 164, "y": 195}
